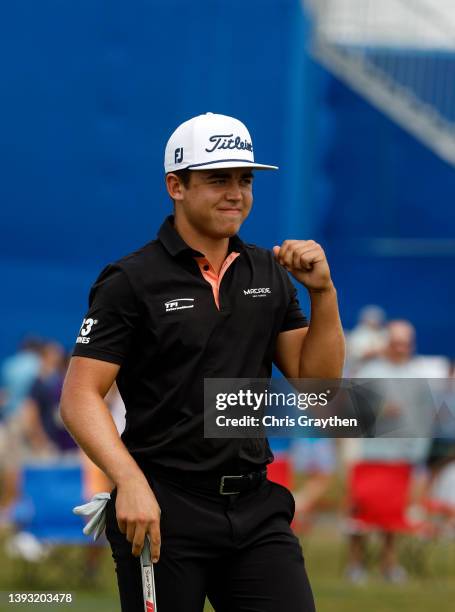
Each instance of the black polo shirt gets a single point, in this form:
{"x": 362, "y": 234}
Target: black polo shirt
{"x": 154, "y": 314}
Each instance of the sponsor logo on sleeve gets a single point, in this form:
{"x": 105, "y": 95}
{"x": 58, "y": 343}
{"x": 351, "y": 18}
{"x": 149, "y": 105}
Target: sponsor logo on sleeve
{"x": 86, "y": 328}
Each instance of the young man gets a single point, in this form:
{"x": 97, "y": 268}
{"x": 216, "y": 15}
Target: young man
{"x": 160, "y": 321}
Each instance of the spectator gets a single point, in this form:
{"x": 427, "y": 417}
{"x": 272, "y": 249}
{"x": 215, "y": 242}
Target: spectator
{"x": 17, "y": 375}
{"x": 441, "y": 456}
{"x": 45, "y": 430}
{"x": 367, "y": 340}
{"x": 380, "y": 481}
{"x": 315, "y": 459}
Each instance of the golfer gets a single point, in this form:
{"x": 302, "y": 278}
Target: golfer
{"x": 197, "y": 303}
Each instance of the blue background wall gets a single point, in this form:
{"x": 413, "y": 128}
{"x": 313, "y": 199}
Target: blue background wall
{"x": 386, "y": 213}
{"x": 92, "y": 90}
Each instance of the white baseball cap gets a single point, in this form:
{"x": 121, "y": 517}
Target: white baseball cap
{"x": 210, "y": 141}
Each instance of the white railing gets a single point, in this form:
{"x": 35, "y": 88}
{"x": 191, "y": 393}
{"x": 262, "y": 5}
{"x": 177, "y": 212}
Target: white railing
{"x": 400, "y": 55}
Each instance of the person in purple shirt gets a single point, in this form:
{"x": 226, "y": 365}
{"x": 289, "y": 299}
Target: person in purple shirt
{"x": 45, "y": 430}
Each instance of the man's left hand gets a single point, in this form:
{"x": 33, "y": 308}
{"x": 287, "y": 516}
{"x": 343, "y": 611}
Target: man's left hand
{"x": 306, "y": 261}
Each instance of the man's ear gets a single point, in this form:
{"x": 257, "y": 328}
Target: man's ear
{"x": 175, "y": 187}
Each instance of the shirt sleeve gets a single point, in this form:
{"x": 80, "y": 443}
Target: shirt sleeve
{"x": 294, "y": 317}
{"x": 107, "y": 330}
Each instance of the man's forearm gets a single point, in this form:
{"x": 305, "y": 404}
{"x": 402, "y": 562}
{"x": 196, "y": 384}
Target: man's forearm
{"x": 89, "y": 421}
{"x": 323, "y": 349}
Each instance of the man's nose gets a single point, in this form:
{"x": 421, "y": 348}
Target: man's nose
{"x": 233, "y": 192}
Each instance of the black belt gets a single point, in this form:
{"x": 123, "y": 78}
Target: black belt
{"x": 227, "y": 484}
{"x": 230, "y": 485}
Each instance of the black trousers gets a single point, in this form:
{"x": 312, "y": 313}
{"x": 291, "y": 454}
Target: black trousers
{"x": 238, "y": 550}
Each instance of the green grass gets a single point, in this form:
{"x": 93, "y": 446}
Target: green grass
{"x": 431, "y": 586}
{"x": 431, "y": 567}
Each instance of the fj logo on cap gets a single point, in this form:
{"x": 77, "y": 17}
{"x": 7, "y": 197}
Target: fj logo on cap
{"x": 226, "y": 141}
{"x": 178, "y": 155}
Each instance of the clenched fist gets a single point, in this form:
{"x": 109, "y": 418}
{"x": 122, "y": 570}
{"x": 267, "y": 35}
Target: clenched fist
{"x": 306, "y": 261}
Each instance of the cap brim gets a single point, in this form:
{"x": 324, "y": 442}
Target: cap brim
{"x": 235, "y": 163}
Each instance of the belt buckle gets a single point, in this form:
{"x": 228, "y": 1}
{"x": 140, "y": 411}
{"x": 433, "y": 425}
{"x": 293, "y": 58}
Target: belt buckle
{"x": 222, "y": 491}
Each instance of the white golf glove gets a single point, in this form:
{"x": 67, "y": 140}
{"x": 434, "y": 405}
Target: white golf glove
{"x": 95, "y": 509}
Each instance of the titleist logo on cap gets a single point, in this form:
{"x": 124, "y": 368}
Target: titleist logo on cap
{"x": 226, "y": 141}
{"x": 211, "y": 141}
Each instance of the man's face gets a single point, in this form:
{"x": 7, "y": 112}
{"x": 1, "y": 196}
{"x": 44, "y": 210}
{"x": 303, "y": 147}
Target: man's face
{"x": 401, "y": 342}
{"x": 216, "y": 202}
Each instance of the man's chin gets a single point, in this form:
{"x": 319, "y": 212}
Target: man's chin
{"x": 229, "y": 231}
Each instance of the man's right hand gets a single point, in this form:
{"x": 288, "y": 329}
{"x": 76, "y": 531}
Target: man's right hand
{"x": 138, "y": 515}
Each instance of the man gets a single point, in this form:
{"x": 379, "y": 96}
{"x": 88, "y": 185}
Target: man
{"x": 17, "y": 374}
{"x": 381, "y": 478}
{"x": 45, "y": 432}
{"x": 367, "y": 340}
{"x": 160, "y": 321}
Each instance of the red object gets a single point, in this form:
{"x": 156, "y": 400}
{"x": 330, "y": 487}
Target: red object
{"x": 438, "y": 507}
{"x": 280, "y": 471}
{"x": 378, "y": 496}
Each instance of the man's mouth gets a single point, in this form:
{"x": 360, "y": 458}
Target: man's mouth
{"x": 230, "y": 210}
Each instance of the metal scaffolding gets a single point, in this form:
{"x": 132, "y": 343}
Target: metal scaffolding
{"x": 398, "y": 54}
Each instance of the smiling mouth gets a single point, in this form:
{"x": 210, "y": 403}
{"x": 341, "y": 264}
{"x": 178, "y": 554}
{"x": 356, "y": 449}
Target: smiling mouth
{"x": 230, "y": 211}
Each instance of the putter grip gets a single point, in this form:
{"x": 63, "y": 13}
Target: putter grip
{"x": 148, "y": 579}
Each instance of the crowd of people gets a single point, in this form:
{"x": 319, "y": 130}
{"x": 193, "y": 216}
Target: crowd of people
{"x": 394, "y": 483}
{"x": 385, "y": 478}
{"x": 31, "y": 382}
{"x": 31, "y": 430}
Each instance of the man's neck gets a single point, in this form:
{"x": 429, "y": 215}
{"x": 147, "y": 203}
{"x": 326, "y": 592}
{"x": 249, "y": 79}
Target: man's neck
{"x": 215, "y": 250}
